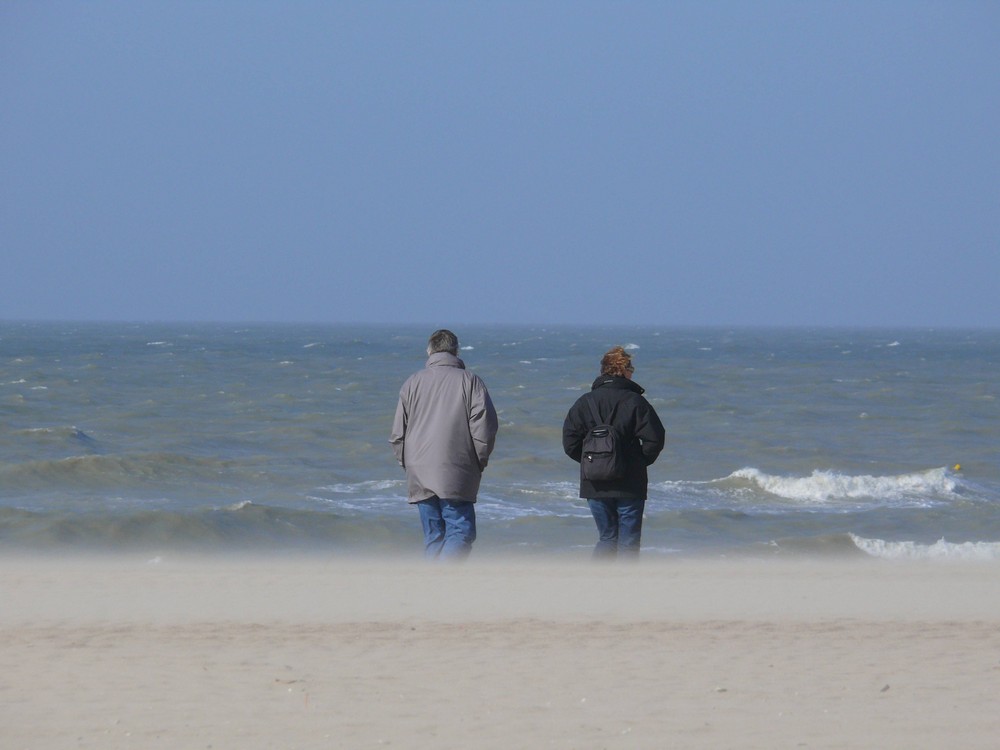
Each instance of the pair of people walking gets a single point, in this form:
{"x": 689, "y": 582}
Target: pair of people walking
{"x": 445, "y": 429}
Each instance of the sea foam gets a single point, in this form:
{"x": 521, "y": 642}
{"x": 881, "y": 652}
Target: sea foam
{"x": 826, "y": 486}
{"x": 940, "y": 550}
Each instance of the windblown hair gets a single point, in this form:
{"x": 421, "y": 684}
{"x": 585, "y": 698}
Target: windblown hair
{"x": 442, "y": 341}
{"x": 617, "y": 362}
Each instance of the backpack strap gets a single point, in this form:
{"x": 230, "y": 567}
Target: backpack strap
{"x": 593, "y": 411}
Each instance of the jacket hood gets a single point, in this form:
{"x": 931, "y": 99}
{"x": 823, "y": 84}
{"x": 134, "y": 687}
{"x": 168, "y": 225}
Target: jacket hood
{"x": 615, "y": 381}
{"x": 445, "y": 359}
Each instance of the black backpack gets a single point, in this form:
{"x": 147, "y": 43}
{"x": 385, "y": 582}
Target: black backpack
{"x": 603, "y": 458}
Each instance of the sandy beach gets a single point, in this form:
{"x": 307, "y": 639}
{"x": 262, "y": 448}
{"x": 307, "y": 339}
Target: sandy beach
{"x": 320, "y": 653}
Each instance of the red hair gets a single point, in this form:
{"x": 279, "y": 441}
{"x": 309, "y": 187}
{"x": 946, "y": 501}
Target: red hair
{"x": 616, "y": 362}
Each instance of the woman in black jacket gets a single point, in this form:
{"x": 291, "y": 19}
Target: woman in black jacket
{"x": 617, "y": 504}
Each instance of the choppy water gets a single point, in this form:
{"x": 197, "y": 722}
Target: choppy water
{"x": 212, "y": 437}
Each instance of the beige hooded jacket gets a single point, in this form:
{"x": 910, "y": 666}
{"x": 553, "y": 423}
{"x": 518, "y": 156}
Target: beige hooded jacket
{"x": 444, "y": 430}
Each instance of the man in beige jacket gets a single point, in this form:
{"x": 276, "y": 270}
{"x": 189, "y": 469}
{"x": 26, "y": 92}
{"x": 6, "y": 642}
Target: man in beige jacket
{"x": 443, "y": 433}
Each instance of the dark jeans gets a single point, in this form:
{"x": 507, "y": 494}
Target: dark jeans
{"x": 449, "y": 527}
{"x": 619, "y": 527}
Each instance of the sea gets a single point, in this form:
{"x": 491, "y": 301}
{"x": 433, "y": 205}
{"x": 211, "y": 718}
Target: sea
{"x": 162, "y": 439}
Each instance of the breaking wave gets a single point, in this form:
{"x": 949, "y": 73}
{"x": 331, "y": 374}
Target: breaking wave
{"x": 822, "y": 487}
{"x": 939, "y": 550}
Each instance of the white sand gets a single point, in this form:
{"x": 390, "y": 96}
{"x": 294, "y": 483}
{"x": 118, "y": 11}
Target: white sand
{"x": 336, "y": 654}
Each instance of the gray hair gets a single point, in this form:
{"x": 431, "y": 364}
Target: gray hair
{"x": 442, "y": 341}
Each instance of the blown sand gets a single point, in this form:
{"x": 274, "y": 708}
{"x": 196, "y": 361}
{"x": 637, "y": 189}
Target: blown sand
{"x": 321, "y": 653}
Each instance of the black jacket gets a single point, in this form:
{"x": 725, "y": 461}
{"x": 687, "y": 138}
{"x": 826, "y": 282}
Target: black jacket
{"x": 620, "y": 404}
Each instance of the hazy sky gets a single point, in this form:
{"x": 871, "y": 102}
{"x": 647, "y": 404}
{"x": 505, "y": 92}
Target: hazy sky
{"x": 762, "y": 163}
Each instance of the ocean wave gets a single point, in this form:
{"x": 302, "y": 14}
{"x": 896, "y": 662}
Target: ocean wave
{"x": 812, "y": 546}
{"x": 823, "y": 487}
{"x": 940, "y": 550}
{"x": 108, "y": 470}
{"x": 513, "y": 502}
{"x": 374, "y": 497}
{"x": 549, "y": 500}
{"x": 53, "y": 434}
{"x": 365, "y": 487}
{"x": 241, "y": 526}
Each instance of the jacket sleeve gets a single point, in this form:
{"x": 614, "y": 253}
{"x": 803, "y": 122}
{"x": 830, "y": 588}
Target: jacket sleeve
{"x": 573, "y": 433}
{"x": 650, "y": 432}
{"x": 398, "y": 435}
{"x": 483, "y": 423}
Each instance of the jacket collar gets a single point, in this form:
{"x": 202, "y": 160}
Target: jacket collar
{"x": 444, "y": 359}
{"x": 615, "y": 381}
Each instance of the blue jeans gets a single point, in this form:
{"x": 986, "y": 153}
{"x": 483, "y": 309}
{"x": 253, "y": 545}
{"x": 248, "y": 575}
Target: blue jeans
{"x": 619, "y": 527}
{"x": 449, "y": 527}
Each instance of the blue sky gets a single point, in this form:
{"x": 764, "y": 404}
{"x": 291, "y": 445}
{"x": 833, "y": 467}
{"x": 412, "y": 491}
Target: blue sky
{"x": 672, "y": 163}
